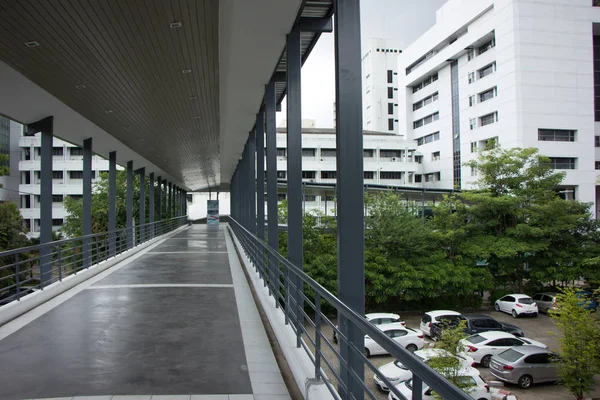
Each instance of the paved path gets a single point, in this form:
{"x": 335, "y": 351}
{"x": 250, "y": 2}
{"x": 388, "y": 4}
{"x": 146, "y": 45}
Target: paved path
{"x": 177, "y": 320}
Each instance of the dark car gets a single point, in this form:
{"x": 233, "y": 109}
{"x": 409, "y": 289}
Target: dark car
{"x": 475, "y": 323}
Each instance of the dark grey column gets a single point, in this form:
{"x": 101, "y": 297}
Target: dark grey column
{"x": 349, "y": 138}
{"x": 159, "y": 197}
{"x": 170, "y": 200}
{"x": 164, "y": 212}
{"x": 151, "y": 205}
{"x": 129, "y": 205}
{"x": 260, "y": 175}
{"x": 294, "y": 171}
{"x": 252, "y": 181}
{"x": 273, "y": 240}
{"x": 87, "y": 202}
{"x": 46, "y": 127}
{"x": 142, "y": 221}
{"x": 112, "y": 203}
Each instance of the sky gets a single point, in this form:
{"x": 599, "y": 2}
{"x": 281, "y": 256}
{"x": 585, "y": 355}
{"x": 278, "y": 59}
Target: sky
{"x": 400, "y": 20}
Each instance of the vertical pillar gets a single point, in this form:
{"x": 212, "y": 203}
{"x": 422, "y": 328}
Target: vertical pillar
{"x": 142, "y": 221}
{"x": 159, "y": 198}
{"x": 170, "y": 200}
{"x": 349, "y": 139}
{"x": 272, "y": 233}
{"x": 294, "y": 171}
{"x": 252, "y": 182}
{"x": 87, "y": 202}
{"x": 151, "y": 205}
{"x": 164, "y": 211}
{"x": 112, "y": 203}
{"x": 260, "y": 175}
{"x": 129, "y": 205}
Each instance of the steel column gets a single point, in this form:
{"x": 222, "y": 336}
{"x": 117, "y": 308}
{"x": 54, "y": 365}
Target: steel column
{"x": 294, "y": 175}
{"x": 272, "y": 233}
{"x": 252, "y": 181}
{"x": 112, "y": 203}
{"x": 151, "y": 204}
{"x": 129, "y": 205}
{"x": 142, "y": 221}
{"x": 46, "y": 202}
{"x": 87, "y": 202}
{"x": 350, "y": 232}
{"x": 164, "y": 199}
{"x": 260, "y": 175}
{"x": 159, "y": 197}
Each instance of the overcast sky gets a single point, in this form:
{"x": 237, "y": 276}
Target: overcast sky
{"x": 401, "y": 20}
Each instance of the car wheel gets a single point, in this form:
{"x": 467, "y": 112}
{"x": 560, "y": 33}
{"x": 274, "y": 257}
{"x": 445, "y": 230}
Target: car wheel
{"x": 485, "y": 361}
{"x": 496, "y": 307}
{"x": 525, "y": 381}
{"x": 412, "y": 348}
{"x": 367, "y": 353}
{"x": 535, "y": 315}
{"x": 514, "y": 314}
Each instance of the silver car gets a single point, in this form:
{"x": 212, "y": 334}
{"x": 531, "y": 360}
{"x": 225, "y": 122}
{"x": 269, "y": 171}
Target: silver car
{"x": 545, "y": 301}
{"x": 525, "y": 365}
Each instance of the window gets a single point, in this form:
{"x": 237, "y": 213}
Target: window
{"x": 310, "y": 197}
{"x": 391, "y": 124}
{"x": 473, "y": 147}
{"x": 368, "y": 174}
{"x": 328, "y": 152}
{"x": 57, "y": 151}
{"x": 281, "y": 152}
{"x": 427, "y": 100}
{"x": 57, "y": 198}
{"x": 485, "y": 47}
{"x": 485, "y": 71}
{"x": 488, "y": 119}
{"x": 426, "y": 82}
{"x": 488, "y": 94}
{"x": 390, "y": 76}
{"x": 281, "y": 174}
{"x": 540, "y": 358}
{"x": 562, "y": 163}
{"x": 472, "y": 123}
{"x": 390, "y": 108}
{"x": 328, "y": 174}
{"x": 76, "y": 151}
{"x": 473, "y": 171}
{"x": 432, "y": 137}
{"x": 328, "y": 198}
{"x": 419, "y": 159}
{"x": 76, "y": 196}
{"x": 558, "y": 135}
{"x": 597, "y": 164}
{"x": 308, "y": 152}
{"x": 597, "y": 141}
{"x": 471, "y": 77}
{"x": 390, "y": 175}
{"x": 429, "y": 178}
{"x": 426, "y": 120}
{"x": 490, "y": 143}
{"x": 368, "y": 153}
{"x": 76, "y": 174}
{"x": 389, "y": 153}
{"x": 471, "y": 101}
{"x": 281, "y": 196}
{"x": 57, "y": 221}
{"x": 418, "y": 178}
{"x": 435, "y": 156}
{"x": 390, "y": 93}
{"x": 57, "y": 174}
{"x": 470, "y": 55}
{"x": 309, "y": 174}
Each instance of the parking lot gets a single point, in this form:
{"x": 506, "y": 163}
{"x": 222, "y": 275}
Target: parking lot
{"x": 540, "y": 328}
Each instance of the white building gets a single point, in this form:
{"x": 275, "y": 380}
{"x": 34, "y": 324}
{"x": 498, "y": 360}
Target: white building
{"x": 380, "y": 86}
{"x": 67, "y": 173}
{"x": 10, "y": 132}
{"x": 516, "y": 72}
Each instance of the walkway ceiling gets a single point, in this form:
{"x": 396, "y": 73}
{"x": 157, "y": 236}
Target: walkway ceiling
{"x": 173, "y": 85}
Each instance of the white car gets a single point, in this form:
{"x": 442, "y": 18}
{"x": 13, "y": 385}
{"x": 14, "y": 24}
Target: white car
{"x": 484, "y": 345}
{"x": 478, "y": 390}
{"x": 408, "y": 338}
{"x": 377, "y": 319}
{"x": 517, "y": 304}
{"x": 431, "y": 317}
{"x": 395, "y": 372}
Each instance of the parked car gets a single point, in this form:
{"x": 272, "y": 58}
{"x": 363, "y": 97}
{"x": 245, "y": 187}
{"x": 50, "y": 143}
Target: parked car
{"x": 478, "y": 389}
{"x": 525, "y": 366}
{"x": 476, "y": 323}
{"x": 516, "y": 305}
{"x": 545, "y": 301}
{"x": 431, "y": 317}
{"x": 411, "y": 339}
{"x": 377, "y": 319}
{"x": 395, "y": 372}
{"x": 482, "y": 346}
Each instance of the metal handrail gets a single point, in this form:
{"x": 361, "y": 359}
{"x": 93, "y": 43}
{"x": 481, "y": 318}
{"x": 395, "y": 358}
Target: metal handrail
{"x": 258, "y": 252}
{"x": 35, "y": 267}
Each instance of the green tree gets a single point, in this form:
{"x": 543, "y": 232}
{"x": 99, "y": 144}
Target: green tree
{"x": 579, "y": 351}
{"x": 12, "y": 236}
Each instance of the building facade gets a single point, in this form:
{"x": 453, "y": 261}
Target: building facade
{"x": 10, "y": 132}
{"x": 517, "y": 73}
{"x": 67, "y": 174}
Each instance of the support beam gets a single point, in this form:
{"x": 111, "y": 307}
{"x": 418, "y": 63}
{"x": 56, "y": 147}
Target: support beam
{"x": 159, "y": 199}
{"x": 170, "y": 200}
{"x": 129, "y": 205}
{"x": 151, "y": 205}
{"x": 294, "y": 178}
{"x": 112, "y": 203}
{"x": 252, "y": 181}
{"x": 142, "y": 221}
{"x": 87, "y": 202}
{"x": 350, "y": 232}
{"x": 272, "y": 232}
{"x": 164, "y": 211}
{"x": 260, "y": 175}
{"x": 316, "y": 25}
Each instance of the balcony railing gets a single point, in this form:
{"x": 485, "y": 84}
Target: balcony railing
{"x": 32, "y": 268}
{"x": 294, "y": 290}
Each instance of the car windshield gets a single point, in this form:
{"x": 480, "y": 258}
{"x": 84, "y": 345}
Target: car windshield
{"x": 510, "y": 355}
{"x": 398, "y": 364}
{"x": 526, "y": 300}
{"x": 475, "y": 339}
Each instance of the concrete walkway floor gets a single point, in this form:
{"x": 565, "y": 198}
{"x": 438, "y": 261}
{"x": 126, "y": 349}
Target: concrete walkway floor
{"x": 176, "y": 321}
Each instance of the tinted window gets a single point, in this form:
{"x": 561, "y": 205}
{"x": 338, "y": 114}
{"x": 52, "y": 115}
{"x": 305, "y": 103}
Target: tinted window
{"x": 399, "y": 333}
{"x": 546, "y": 298}
{"x": 480, "y": 323}
{"x": 526, "y": 300}
{"x": 513, "y": 342}
{"x": 426, "y": 319}
{"x": 508, "y": 298}
{"x": 510, "y": 355}
{"x": 537, "y": 297}
{"x": 498, "y": 342}
{"x": 475, "y": 339}
{"x": 542, "y": 358}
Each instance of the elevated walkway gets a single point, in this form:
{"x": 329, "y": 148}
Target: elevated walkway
{"x": 176, "y": 321}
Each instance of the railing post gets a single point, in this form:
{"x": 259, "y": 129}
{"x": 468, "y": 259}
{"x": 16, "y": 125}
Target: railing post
{"x": 272, "y": 232}
{"x": 18, "y": 277}
{"x": 317, "y": 336}
{"x": 87, "y": 203}
{"x": 112, "y": 203}
{"x": 129, "y": 205}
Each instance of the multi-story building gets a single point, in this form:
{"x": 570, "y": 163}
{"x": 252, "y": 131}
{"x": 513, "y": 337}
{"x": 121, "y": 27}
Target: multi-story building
{"x": 380, "y": 86}
{"x": 67, "y": 174}
{"x": 518, "y": 73}
{"x": 10, "y": 132}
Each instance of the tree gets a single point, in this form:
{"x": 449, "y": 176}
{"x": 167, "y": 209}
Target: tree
{"x": 12, "y": 236}
{"x": 579, "y": 351}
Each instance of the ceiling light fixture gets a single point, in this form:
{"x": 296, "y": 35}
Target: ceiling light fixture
{"x": 108, "y": 112}
{"x": 32, "y": 43}
{"x": 186, "y": 71}
{"x": 197, "y": 117}
{"x": 192, "y": 97}
{"x": 127, "y": 128}
{"x": 175, "y": 24}
{"x": 79, "y": 87}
